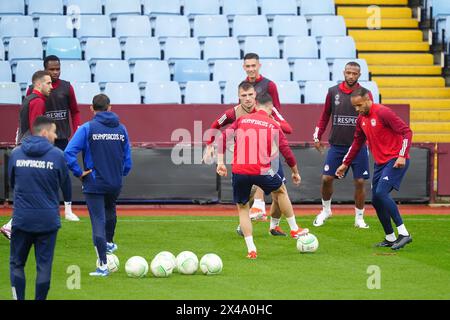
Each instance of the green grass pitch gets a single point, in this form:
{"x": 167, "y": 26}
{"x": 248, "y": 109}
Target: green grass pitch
{"x": 338, "y": 270}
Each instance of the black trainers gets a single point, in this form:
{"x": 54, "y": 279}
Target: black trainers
{"x": 385, "y": 243}
{"x": 401, "y": 242}
{"x": 277, "y": 232}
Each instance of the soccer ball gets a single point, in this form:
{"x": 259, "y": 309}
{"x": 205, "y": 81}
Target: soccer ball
{"x": 136, "y": 267}
{"x": 161, "y": 267}
{"x": 187, "y": 262}
{"x": 169, "y": 255}
{"x": 211, "y": 263}
{"x": 307, "y": 243}
{"x": 112, "y": 262}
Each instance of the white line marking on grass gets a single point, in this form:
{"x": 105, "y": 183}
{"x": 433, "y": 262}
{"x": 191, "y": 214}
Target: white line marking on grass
{"x": 177, "y": 221}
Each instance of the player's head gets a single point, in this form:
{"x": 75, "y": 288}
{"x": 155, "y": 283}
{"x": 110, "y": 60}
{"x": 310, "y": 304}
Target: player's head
{"x": 42, "y": 82}
{"x": 352, "y": 72}
{"x": 361, "y": 100}
{"x": 101, "y": 103}
{"x": 52, "y": 64}
{"x": 252, "y": 66}
{"x": 265, "y": 103}
{"x": 45, "y": 127}
{"x": 247, "y": 96}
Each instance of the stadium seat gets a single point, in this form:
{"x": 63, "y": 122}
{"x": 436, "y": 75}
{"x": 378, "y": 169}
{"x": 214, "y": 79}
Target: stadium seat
{"x": 373, "y": 87}
{"x": 55, "y": 26}
{"x": 10, "y": 93}
{"x": 221, "y": 48}
{"x": 112, "y": 71}
{"x": 5, "y": 72}
{"x": 102, "y": 48}
{"x": 2, "y": 51}
{"x": 302, "y": 47}
{"x": 12, "y": 7}
{"x": 288, "y": 91}
{"x": 116, "y": 7}
{"x": 171, "y": 26}
{"x": 93, "y": 26}
{"x": 244, "y": 26}
{"x": 316, "y": 91}
{"x": 40, "y": 7}
{"x": 274, "y": 7}
{"x": 311, "y": 69}
{"x": 195, "y": 7}
{"x": 181, "y": 48}
{"x": 228, "y": 70}
{"x": 75, "y": 71}
{"x": 23, "y": 48}
{"x": 337, "y": 47}
{"x": 191, "y": 70}
{"x": 81, "y": 7}
{"x": 123, "y": 93}
{"x": 142, "y": 48}
{"x": 275, "y": 69}
{"x": 289, "y": 26}
{"x": 154, "y": 7}
{"x": 339, "y": 66}
{"x": 16, "y": 26}
{"x": 151, "y": 71}
{"x": 202, "y": 92}
{"x": 315, "y": 8}
{"x": 210, "y": 26}
{"x": 132, "y": 26}
{"x": 328, "y": 26}
{"x": 64, "y": 48}
{"x": 230, "y": 93}
{"x": 85, "y": 91}
{"x": 25, "y": 69}
{"x": 266, "y": 47}
{"x": 162, "y": 92}
{"x": 239, "y": 7}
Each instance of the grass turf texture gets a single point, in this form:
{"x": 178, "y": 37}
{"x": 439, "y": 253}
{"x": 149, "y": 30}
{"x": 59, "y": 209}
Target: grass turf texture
{"x": 338, "y": 270}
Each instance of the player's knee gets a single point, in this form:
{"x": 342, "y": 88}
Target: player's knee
{"x": 359, "y": 184}
{"x": 327, "y": 179}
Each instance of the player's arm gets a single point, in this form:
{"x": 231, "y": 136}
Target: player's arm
{"x": 226, "y": 135}
{"x": 37, "y": 108}
{"x": 322, "y": 124}
{"x": 358, "y": 141}
{"x": 284, "y": 125}
{"x": 76, "y": 145}
{"x": 273, "y": 91}
{"x": 288, "y": 155}
{"x": 74, "y": 110}
{"x": 127, "y": 163}
{"x": 226, "y": 118}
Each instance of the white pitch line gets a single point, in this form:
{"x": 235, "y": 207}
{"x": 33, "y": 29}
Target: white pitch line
{"x": 234, "y": 220}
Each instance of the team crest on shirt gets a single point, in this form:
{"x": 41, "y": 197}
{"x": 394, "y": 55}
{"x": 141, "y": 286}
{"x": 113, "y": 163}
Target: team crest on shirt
{"x": 336, "y": 100}
{"x": 373, "y": 122}
{"x": 326, "y": 168}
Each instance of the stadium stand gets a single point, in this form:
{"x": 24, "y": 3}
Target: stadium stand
{"x": 10, "y": 93}
{"x": 137, "y": 48}
{"x": 15, "y": 7}
{"x": 85, "y": 91}
{"x": 153, "y": 8}
{"x": 202, "y": 92}
{"x": 82, "y": 7}
{"x": 123, "y": 93}
{"x": 162, "y": 92}
{"x": 151, "y": 71}
{"x": 75, "y": 71}
{"x": 221, "y": 48}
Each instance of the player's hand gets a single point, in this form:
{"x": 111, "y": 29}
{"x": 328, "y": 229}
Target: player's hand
{"x": 85, "y": 173}
{"x": 340, "y": 172}
{"x": 400, "y": 163}
{"x": 221, "y": 170}
{"x": 296, "y": 179}
{"x": 208, "y": 156}
{"x": 319, "y": 147}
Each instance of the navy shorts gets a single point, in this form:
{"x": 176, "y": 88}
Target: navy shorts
{"x": 386, "y": 173}
{"x": 242, "y": 185}
{"x": 335, "y": 156}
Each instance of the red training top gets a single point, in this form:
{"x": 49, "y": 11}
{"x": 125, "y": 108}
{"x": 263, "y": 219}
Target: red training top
{"x": 271, "y": 89}
{"x": 36, "y": 108}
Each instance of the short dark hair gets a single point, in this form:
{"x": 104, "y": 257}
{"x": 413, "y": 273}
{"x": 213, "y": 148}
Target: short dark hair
{"x": 42, "y": 122}
{"x": 38, "y": 75}
{"x": 360, "y": 92}
{"x": 100, "y": 102}
{"x": 353, "y": 64}
{"x": 245, "y": 85}
{"x": 50, "y": 58}
{"x": 251, "y": 55}
{"x": 265, "y": 99}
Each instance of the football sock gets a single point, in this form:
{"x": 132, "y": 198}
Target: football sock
{"x": 391, "y": 237}
{"x": 292, "y": 223}
{"x": 326, "y": 205}
{"x": 67, "y": 206}
{"x": 8, "y": 224}
{"x": 250, "y": 244}
{"x": 274, "y": 222}
{"x": 402, "y": 230}
{"x": 359, "y": 213}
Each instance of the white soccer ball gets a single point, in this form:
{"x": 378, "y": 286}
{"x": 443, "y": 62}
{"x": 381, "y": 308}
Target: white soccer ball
{"x": 211, "y": 264}
{"x": 169, "y": 255}
{"x": 112, "y": 262}
{"x": 187, "y": 262}
{"x": 307, "y": 243}
{"x": 161, "y": 267}
{"x": 136, "y": 267}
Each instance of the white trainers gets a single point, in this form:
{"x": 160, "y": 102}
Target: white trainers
{"x": 360, "y": 223}
{"x": 321, "y": 217}
{"x": 6, "y": 232}
{"x": 70, "y": 216}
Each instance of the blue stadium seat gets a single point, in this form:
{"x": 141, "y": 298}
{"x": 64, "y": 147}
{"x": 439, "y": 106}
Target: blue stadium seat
{"x": 116, "y": 7}
{"x": 191, "y": 70}
{"x": 64, "y": 48}
{"x": 311, "y": 69}
{"x": 12, "y": 7}
{"x": 239, "y": 7}
{"x": 315, "y": 8}
{"x": 85, "y": 91}
{"x": 142, "y": 48}
{"x": 195, "y": 7}
{"x": 289, "y": 26}
{"x": 93, "y": 26}
{"x": 274, "y": 7}
{"x": 154, "y": 7}
{"x": 23, "y": 48}
{"x": 40, "y": 7}
{"x": 202, "y": 92}
{"x": 230, "y": 93}
{"x": 228, "y": 70}
{"x": 25, "y": 69}
{"x": 373, "y": 87}
{"x": 328, "y": 26}
{"x": 171, "y": 26}
{"x": 266, "y": 47}
{"x": 303, "y": 47}
{"x": 210, "y": 26}
{"x": 123, "y": 93}
{"x": 250, "y": 26}
{"x": 151, "y": 71}
{"x": 5, "y": 71}
{"x": 55, "y": 26}
{"x": 132, "y": 26}
{"x": 10, "y": 93}
{"x": 337, "y": 47}
{"x": 339, "y": 66}
{"x": 181, "y": 48}
{"x": 2, "y": 51}
{"x": 275, "y": 69}
{"x": 221, "y": 48}
{"x": 102, "y": 48}
{"x": 112, "y": 71}
{"x": 16, "y": 26}
{"x": 316, "y": 91}
{"x": 162, "y": 92}
{"x": 288, "y": 91}
{"x": 77, "y": 7}
{"x": 75, "y": 71}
